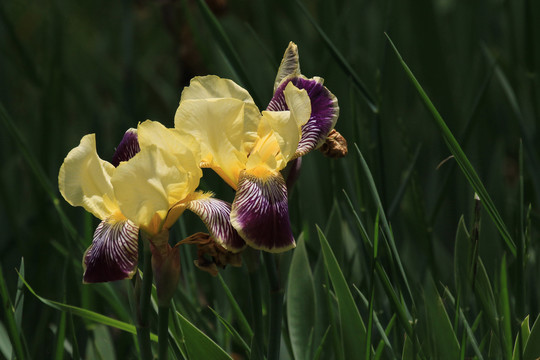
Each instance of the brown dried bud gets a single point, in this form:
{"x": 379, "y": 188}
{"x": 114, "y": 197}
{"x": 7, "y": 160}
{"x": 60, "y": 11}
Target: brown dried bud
{"x": 335, "y": 145}
{"x": 210, "y": 255}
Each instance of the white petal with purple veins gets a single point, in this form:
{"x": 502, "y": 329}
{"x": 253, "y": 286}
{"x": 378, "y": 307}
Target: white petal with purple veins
{"x": 216, "y": 215}
{"x": 113, "y": 253}
{"x": 260, "y": 213}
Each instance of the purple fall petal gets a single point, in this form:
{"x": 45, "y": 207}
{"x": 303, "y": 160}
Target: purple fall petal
{"x": 260, "y": 213}
{"x": 324, "y": 111}
{"x": 216, "y": 215}
{"x": 113, "y": 253}
{"x": 128, "y": 147}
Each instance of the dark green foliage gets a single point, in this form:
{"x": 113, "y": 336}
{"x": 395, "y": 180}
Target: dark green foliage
{"x": 407, "y": 264}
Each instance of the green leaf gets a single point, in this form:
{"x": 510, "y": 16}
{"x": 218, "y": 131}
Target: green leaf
{"x": 87, "y": 314}
{"x": 461, "y": 158}
{"x": 353, "y": 330}
{"x": 505, "y": 311}
{"x": 300, "y": 302}
{"x": 385, "y": 225}
{"x": 532, "y": 348}
{"x": 484, "y": 294}
{"x": 244, "y": 324}
{"x": 200, "y": 346}
{"x": 347, "y": 68}
{"x": 461, "y": 259}
{"x": 521, "y": 339}
{"x": 446, "y": 345}
{"x": 9, "y": 316}
{"x": 100, "y": 345}
{"x": 5, "y": 344}
{"x": 236, "y": 336}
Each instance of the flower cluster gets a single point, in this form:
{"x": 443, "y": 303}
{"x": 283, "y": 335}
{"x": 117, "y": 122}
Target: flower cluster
{"x": 155, "y": 172}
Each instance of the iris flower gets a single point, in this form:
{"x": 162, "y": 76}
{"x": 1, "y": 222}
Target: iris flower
{"x": 150, "y": 181}
{"x": 248, "y": 149}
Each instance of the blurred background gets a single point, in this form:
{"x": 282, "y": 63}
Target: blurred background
{"x": 70, "y": 68}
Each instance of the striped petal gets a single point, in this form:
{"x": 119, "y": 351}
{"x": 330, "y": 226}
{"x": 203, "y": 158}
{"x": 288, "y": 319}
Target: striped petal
{"x": 260, "y": 212}
{"x": 113, "y": 253}
{"x": 128, "y": 147}
{"x": 216, "y": 216}
{"x": 324, "y": 111}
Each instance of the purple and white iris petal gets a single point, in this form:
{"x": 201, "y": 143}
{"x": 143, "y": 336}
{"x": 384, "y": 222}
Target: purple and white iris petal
{"x": 216, "y": 215}
{"x": 260, "y": 213}
{"x": 324, "y": 111}
{"x": 128, "y": 147}
{"x": 113, "y": 253}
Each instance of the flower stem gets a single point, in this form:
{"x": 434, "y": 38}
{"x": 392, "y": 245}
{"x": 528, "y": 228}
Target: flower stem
{"x": 143, "y": 330}
{"x": 163, "y": 332}
{"x": 257, "y": 343}
{"x": 276, "y": 307}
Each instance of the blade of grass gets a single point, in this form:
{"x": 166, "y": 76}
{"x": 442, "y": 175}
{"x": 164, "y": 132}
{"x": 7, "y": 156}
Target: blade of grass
{"x": 404, "y": 183}
{"x": 528, "y": 141}
{"x": 87, "y": 314}
{"x": 353, "y": 330}
{"x": 459, "y": 155}
{"x": 38, "y": 171}
{"x": 505, "y": 311}
{"x": 300, "y": 301}
{"x": 9, "y": 315}
{"x": 60, "y": 337}
{"x": 199, "y": 345}
{"x": 236, "y": 336}
{"x": 347, "y": 68}
{"x": 244, "y": 324}
{"x": 227, "y": 48}
{"x": 385, "y": 225}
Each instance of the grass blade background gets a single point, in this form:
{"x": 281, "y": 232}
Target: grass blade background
{"x": 460, "y": 157}
{"x": 353, "y": 330}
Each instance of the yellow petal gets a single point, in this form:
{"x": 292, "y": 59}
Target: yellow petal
{"x": 85, "y": 179}
{"x": 183, "y": 146}
{"x": 299, "y": 104}
{"x": 148, "y": 185}
{"x": 222, "y": 129}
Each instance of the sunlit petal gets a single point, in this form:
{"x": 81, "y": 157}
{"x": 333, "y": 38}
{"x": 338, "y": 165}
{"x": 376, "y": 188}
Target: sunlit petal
{"x": 290, "y": 64}
{"x": 260, "y": 213}
{"x": 149, "y": 184}
{"x": 85, "y": 180}
{"x": 183, "y": 146}
{"x": 128, "y": 147}
{"x": 216, "y": 215}
{"x": 220, "y": 127}
{"x": 324, "y": 111}
{"x": 113, "y": 253}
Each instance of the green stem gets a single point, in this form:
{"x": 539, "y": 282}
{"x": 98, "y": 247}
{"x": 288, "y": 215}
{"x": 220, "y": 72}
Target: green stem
{"x": 143, "y": 328}
{"x": 252, "y": 261}
{"x": 276, "y": 307}
{"x": 163, "y": 332}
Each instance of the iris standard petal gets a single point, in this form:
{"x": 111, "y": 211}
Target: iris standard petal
{"x": 85, "y": 179}
{"x": 290, "y": 64}
{"x": 324, "y": 111}
{"x": 113, "y": 252}
{"x": 220, "y": 127}
{"x": 128, "y": 147}
{"x": 149, "y": 184}
{"x": 182, "y": 146}
{"x": 216, "y": 216}
{"x": 260, "y": 212}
